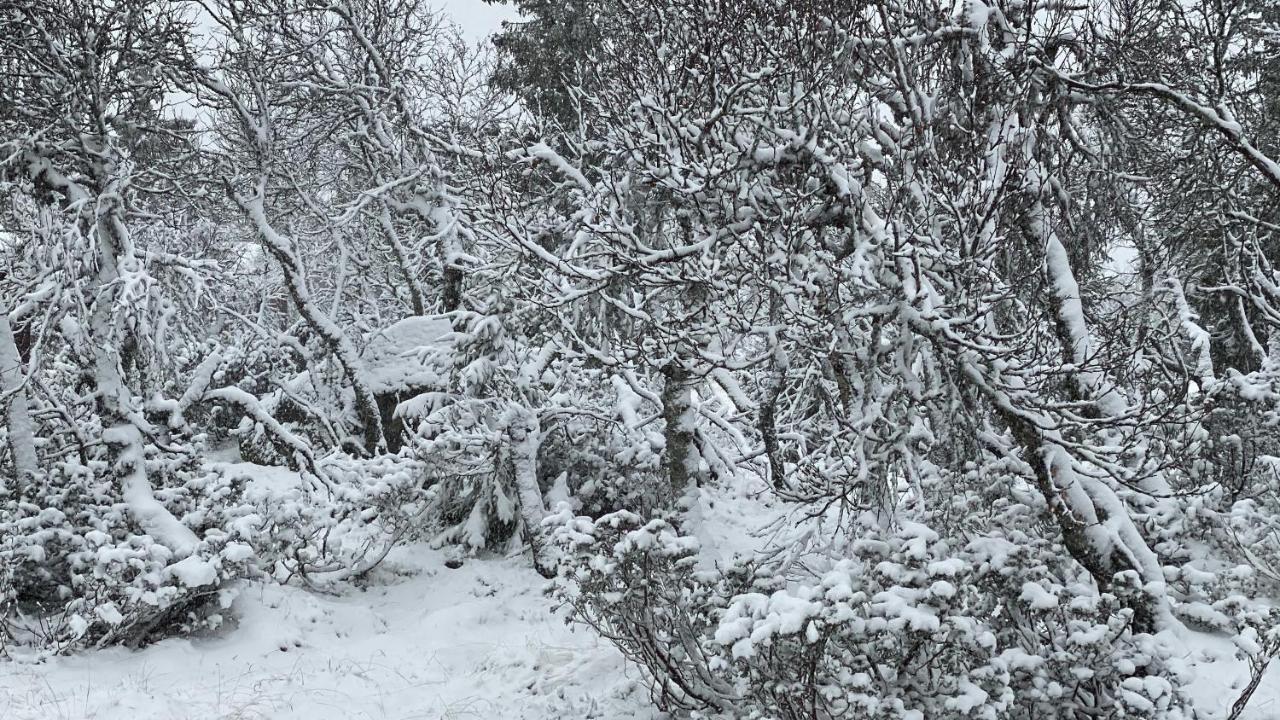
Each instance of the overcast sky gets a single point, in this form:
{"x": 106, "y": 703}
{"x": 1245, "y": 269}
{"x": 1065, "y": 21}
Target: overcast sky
{"x": 477, "y": 18}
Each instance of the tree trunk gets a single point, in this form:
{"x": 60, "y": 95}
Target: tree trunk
{"x": 1076, "y": 502}
{"x": 438, "y": 211}
{"x": 13, "y": 393}
{"x": 121, "y": 415}
{"x": 126, "y": 449}
{"x": 281, "y": 248}
{"x": 525, "y": 435}
{"x": 416, "y": 295}
{"x": 681, "y": 437}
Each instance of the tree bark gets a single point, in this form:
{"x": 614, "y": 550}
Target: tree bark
{"x": 525, "y": 434}
{"x": 13, "y": 392}
{"x": 679, "y": 433}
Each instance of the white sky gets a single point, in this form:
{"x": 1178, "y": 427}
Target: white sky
{"x": 477, "y": 18}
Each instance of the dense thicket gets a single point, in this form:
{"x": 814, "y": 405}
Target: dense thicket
{"x": 985, "y": 293}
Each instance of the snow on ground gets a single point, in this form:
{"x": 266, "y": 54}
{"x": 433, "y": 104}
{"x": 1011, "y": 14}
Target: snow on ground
{"x": 1219, "y": 679}
{"x": 425, "y": 642}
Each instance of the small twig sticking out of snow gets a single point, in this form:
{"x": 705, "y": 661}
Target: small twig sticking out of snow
{"x": 1258, "y": 664}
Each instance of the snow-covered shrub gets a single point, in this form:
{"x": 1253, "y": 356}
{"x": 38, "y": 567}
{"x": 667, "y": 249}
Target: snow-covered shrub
{"x": 467, "y": 464}
{"x": 1257, "y": 643}
{"x": 1226, "y": 538}
{"x": 1069, "y": 650}
{"x": 605, "y": 468}
{"x": 512, "y": 424}
{"x": 635, "y": 583}
{"x": 342, "y": 527}
{"x": 273, "y": 402}
{"x": 457, "y": 431}
{"x": 80, "y": 572}
{"x": 906, "y": 625}
{"x": 306, "y": 409}
{"x": 469, "y": 461}
{"x": 1250, "y": 532}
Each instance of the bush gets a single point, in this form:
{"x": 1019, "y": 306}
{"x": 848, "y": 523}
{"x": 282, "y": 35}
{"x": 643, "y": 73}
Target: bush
{"x": 634, "y": 583}
{"x": 605, "y": 467}
{"x": 905, "y": 626}
{"x": 80, "y": 572}
{"x": 340, "y": 528}
{"x": 467, "y": 461}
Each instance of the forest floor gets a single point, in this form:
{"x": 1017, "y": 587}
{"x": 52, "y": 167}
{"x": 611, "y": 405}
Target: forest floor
{"x": 423, "y": 641}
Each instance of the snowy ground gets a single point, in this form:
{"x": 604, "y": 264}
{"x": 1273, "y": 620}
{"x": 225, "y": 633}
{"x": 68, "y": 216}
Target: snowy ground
{"x": 1219, "y": 678}
{"x": 480, "y": 641}
{"x": 427, "y": 642}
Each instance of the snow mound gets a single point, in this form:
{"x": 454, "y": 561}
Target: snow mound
{"x": 391, "y": 357}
